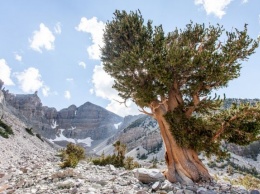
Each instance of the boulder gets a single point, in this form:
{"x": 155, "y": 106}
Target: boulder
{"x": 148, "y": 175}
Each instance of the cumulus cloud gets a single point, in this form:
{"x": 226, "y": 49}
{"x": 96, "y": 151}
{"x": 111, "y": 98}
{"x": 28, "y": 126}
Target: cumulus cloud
{"x": 17, "y": 57}
{"x": 82, "y": 64}
{"x": 5, "y": 73}
{"x": 102, "y": 83}
{"x": 95, "y": 28}
{"x": 244, "y": 1}
{"x": 216, "y": 7}
{"x": 67, "y": 94}
{"x": 29, "y": 80}
{"x": 57, "y": 28}
{"x": 123, "y": 110}
{"x": 43, "y": 38}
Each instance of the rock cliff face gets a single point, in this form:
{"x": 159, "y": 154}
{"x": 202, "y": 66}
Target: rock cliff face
{"x": 2, "y": 103}
{"x": 98, "y": 121}
{"x": 138, "y": 133}
{"x": 87, "y": 120}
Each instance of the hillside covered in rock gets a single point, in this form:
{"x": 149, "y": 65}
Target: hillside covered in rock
{"x": 29, "y": 162}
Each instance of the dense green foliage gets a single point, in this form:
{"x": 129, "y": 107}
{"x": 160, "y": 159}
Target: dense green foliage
{"x": 72, "y": 155}
{"x": 240, "y": 124}
{"x": 142, "y": 58}
{"x": 195, "y": 132}
{"x": 5, "y": 130}
{"x": 178, "y": 72}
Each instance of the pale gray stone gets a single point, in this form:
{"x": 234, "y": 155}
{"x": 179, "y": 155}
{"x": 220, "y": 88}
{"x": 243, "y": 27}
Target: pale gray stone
{"x": 180, "y": 191}
{"x": 156, "y": 186}
{"x": 186, "y": 191}
{"x": 166, "y": 185}
{"x": 148, "y": 175}
{"x": 254, "y": 192}
{"x": 111, "y": 167}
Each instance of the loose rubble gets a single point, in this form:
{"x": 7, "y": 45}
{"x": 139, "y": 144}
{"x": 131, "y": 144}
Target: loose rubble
{"x": 46, "y": 177}
{"x": 28, "y": 166}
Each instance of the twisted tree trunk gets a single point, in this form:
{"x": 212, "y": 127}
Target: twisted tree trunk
{"x": 183, "y": 164}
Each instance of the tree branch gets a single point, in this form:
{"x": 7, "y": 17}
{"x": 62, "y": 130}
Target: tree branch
{"x": 145, "y": 112}
{"x": 223, "y": 126}
{"x": 121, "y": 102}
{"x": 164, "y": 103}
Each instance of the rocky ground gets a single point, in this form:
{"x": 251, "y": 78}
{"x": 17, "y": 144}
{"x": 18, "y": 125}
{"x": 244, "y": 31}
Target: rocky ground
{"x": 28, "y": 165}
{"x": 46, "y": 177}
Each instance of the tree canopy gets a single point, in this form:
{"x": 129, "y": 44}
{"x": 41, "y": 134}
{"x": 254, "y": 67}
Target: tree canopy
{"x": 180, "y": 70}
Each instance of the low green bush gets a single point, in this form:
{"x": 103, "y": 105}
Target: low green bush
{"x": 29, "y": 130}
{"x": 118, "y": 159}
{"x": 248, "y": 181}
{"x": 5, "y": 130}
{"x": 71, "y": 155}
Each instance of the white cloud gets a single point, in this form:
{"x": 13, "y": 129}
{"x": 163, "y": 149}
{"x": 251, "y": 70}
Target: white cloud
{"x": 244, "y": 1}
{"x": 30, "y": 80}
{"x": 67, "y": 94}
{"x": 69, "y": 79}
{"x": 103, "y": 88}
{"x": 103, "y": 84}
{"x": 17, "y": 57}
{"x": 123, "y": 110}
{"x": 45, "y": 91}
{"x": 43, "y": 38}
{"x": 82, "y": 64}
{"x": 57, "y": 28}
{"x": 95, "y": 28}
{"x": 5, "y": 73}
{"x": 216, "y": 7}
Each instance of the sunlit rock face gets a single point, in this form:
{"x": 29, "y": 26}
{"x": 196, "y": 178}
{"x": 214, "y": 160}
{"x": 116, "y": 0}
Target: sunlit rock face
{"x": 87, "y": 120}
{"x": 2, "y": 103}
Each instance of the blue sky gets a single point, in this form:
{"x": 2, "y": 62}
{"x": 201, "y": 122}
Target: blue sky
{"x": 52, "y": 46}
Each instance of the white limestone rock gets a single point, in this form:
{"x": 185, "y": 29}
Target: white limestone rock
{"x": 148, "y": 175}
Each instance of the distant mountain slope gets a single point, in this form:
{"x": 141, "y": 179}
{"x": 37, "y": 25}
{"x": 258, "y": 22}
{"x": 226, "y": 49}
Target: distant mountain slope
{"x": 142, "y": 136}
{"x": 20, "y": 147}
{"x": 79, "y": 123}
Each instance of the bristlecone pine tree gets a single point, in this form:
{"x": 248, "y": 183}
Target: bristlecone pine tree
{"x": 174, "y": 75}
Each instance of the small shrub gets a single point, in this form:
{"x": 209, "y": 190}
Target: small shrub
{"x": 130, "y": 164}
{"x": 29, "y": 130}
{"x": 245, "y": 170}
{"x": 212, "y": 164}
{"x": 230, "y": 170}
{"x": 154, "y": 162}
{"x": 70, "y": 160}
{"x": 71, "y": 155}
{"x": 39, "y": 136}
{"x": 5, "y": 130}
{"x": 143, "y": 157}
{"x": 248, "y": 181}
{"x": 118, "y": 159}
